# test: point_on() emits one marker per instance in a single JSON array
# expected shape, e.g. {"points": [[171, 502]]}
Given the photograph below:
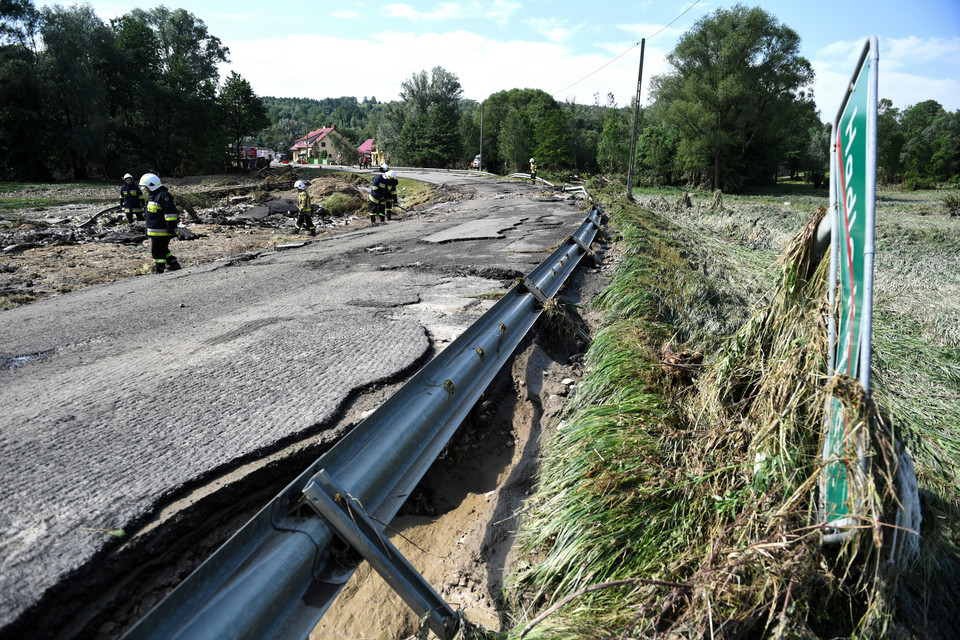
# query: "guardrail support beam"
{"points": [[350, 521]]}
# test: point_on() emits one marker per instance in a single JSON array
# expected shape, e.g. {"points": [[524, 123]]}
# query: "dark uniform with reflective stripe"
{"points": [[162, 218], [131, 200], [379, 195], [391, 196]]}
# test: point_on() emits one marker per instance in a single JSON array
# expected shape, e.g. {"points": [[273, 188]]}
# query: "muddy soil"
{"points": [[47, 251], [458, 528]]}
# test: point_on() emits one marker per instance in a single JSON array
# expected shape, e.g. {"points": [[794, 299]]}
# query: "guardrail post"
{"points": [[350, 521]]}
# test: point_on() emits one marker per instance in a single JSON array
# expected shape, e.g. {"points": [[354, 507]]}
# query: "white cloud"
{"points": [[553, 29], [484, 66], [501, 11], [444, 11], [910, 69], [647, 30], [922, 49]]}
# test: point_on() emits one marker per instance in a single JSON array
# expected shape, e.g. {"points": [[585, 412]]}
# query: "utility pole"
{"points": [[480, 168], [636, 122]]}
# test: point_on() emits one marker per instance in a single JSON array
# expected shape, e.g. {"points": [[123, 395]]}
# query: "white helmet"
{"points": [[127, 175], [532, 160], [384, 168], [391, 174], [300, 185], [150, 181]]}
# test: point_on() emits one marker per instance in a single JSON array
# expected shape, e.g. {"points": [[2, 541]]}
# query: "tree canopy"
{"points": [[735, 94]]}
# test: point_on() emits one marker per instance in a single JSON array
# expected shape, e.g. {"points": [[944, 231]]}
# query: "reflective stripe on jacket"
{"points": [[162, 215], [130, 198], [380, 190]]}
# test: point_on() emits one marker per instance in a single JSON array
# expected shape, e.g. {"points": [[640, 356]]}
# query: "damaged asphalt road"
{"points": [[121, 398]]}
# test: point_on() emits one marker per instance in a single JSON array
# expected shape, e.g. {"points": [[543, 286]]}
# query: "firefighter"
{"points": [[162, 218], [390, 177], [379, 194], [131, 199], [304, 219], [533, 170]]}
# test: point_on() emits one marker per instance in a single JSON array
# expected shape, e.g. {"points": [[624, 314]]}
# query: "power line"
{"points": [[597, 70]]}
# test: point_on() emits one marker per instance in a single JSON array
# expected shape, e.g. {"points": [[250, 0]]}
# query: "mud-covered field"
{"points": [[50, 246]]}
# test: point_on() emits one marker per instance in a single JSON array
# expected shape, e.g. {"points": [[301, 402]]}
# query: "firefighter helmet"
{"points": [[299, 184], [127, 175], [391, 174], [384, 168], [150, 181]]}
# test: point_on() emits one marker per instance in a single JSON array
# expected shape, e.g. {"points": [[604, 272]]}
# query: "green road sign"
{"points": [[853, 199]]}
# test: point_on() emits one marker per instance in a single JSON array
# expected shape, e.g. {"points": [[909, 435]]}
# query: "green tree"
{"points": [[21, 101], [429, 123], [516, 138], [890, 141], [613, 147], [735, 82], [181, 115], [79, 65], [816, 154], [242, 113], [656, 150], [554, 142]]}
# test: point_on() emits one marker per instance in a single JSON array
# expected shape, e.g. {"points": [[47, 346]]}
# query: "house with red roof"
{"points": [[315, 146]]}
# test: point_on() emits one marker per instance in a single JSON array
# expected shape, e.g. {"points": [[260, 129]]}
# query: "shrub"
{"points": [[339, 204], [952, 204]]}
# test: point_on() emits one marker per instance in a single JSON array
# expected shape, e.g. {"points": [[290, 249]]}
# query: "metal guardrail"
{"points": [[278, 574]]}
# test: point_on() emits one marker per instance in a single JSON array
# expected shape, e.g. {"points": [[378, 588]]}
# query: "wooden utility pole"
{"points": [[636, 123], [480, 168]]}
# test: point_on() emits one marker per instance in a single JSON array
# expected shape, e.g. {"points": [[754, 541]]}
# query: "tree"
{"points": [[554, 143], [182, 113], [80, 64], [816, 154], [21, 100], [242, 113], [613, 147], [735, 82], [890, 141], [429, 122]]}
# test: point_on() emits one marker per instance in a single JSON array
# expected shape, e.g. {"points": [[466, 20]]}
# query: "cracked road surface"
{"points": [[120, 398]]}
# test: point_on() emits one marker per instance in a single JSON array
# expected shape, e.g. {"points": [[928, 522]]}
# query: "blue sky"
{"points": [[572, 50]]}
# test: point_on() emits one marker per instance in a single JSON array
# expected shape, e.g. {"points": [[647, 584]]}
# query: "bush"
{"points": [[339, 204], [952, 204]]}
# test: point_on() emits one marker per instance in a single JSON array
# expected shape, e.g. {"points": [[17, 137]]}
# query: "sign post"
{"points": [[853, 171]]}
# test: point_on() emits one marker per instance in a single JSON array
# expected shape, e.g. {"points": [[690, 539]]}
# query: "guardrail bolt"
{"points": [[449, 386]]}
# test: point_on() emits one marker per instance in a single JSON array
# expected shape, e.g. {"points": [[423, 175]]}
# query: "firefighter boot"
{"points": [[159, 266], [172, 263]]}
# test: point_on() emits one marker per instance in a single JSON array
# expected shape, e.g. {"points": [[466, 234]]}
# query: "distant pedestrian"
{"points": [[379, 194], [533, 170], [162, 218], [132, 201], [304, 219]]}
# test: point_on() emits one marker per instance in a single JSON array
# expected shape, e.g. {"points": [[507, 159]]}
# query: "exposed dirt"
{"points": [[458, 528], [46, 251]]}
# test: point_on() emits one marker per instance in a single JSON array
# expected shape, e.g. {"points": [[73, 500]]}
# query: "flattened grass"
{"points": [[691, 512]]}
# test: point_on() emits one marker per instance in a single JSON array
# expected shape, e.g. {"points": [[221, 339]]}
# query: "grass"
{"points": [[691, 511]]}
